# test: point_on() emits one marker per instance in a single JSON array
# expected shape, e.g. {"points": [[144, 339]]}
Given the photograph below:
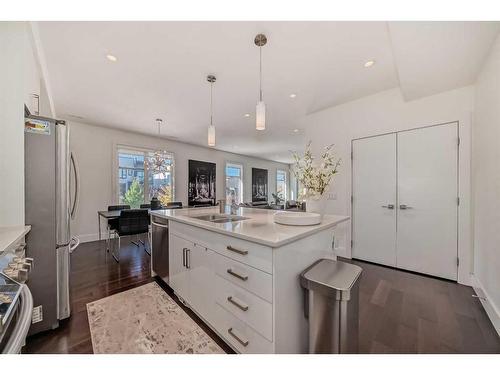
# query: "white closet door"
{"points": [[374, 199], [427, 200]]}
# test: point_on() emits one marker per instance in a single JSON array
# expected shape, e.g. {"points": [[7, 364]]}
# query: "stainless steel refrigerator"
{"points": [[49, 206]]}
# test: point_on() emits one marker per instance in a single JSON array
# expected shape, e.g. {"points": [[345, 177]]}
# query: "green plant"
{"points": [[278, 198], [315, 177], [134, 195], [165, 194]]}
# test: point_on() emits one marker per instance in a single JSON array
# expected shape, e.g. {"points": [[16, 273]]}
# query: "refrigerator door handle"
{"points": [[74, 206], [63, 165], [73, 244]]}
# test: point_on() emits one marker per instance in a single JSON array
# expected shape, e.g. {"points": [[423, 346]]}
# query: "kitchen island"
{"points": [[240, 273]]}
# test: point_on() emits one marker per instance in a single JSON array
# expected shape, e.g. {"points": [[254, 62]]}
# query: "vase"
{"points": [[316, 205]]}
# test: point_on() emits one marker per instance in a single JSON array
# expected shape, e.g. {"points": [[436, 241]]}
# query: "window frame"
{"points": [[278, 170], [134, 149], [242, 184]]}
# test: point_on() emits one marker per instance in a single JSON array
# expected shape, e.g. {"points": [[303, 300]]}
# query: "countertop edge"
{"points": [[316, 229], [13, 234]]}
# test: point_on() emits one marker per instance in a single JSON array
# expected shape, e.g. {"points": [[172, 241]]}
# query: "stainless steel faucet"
{"points": [[222, 206], [234, 208]]}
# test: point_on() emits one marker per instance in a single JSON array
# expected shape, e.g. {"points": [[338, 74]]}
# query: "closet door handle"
{"points": [[404, 207], [389, 206], [188, 258]]}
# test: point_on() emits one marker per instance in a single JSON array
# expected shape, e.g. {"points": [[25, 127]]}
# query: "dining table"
{"points": [[114, 214], [107, 215]]}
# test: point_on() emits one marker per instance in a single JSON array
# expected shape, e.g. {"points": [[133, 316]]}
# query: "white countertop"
{"points": [[10, 235], [259, 228]]}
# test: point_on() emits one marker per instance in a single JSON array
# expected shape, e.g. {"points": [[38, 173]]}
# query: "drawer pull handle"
{"points": [[242, 342], [237, 304], [242, 252], [241, 277]]}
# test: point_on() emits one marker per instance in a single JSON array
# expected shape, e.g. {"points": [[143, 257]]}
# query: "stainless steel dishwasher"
{"points": [[159, 250]]}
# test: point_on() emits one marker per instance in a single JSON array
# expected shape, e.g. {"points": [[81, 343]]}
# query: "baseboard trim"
{"points": [[90, 237], [489, 306]]}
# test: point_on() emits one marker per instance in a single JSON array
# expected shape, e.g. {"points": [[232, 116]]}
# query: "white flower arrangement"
{"points": [[315, 177]]}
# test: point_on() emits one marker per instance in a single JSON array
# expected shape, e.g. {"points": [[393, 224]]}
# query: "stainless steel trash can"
{"points": [[332, 306]]}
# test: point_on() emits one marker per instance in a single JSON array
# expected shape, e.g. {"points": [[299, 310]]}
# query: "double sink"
{"points": [[220, 218]]}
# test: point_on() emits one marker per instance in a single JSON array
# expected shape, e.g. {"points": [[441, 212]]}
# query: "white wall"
{"points": [[387, 112], [486, 184], [95, 147], [13, 42]]}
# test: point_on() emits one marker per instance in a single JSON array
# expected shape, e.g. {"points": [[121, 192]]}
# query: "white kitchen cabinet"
{"points": [[201, 276], [191, 274], [179, 278], [243, 280], [256, 281], [239, 335], [31, 78], [246, 306]]}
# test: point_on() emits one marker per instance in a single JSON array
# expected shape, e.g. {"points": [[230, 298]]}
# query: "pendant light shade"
{"points": [[211, 135], [260, 115], [211, 127], [260, 110]]}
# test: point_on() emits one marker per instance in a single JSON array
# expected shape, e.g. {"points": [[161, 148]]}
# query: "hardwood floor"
{"points": [[400, 312], [404, 312], [94, 275]]}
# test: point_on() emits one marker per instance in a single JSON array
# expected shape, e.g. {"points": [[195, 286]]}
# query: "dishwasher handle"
{"points": [[159, 225]]}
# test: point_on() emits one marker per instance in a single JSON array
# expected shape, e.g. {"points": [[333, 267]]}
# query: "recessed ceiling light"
{"points": [[295, 130], [369, 63], [293, 96], [246, 115], [111, 58]]}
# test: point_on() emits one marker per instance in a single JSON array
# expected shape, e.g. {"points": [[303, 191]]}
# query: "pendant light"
{"points": [[159, 162], [211, 127], [260, 110]]}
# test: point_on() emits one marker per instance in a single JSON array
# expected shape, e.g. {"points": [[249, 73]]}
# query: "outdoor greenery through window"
{"points": [[137, 185], [234, 183], [281, 184]]}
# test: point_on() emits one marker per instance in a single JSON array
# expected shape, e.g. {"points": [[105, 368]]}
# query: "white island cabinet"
{"points": [[242, 278]]}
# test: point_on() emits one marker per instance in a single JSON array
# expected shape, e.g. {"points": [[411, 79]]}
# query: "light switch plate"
{"points": [[331, 196]]}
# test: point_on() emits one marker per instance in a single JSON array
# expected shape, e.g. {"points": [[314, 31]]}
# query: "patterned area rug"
{"points": [[145, 320]]}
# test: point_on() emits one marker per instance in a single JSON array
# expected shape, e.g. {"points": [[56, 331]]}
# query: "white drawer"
{"points": [[249, 278], [249, 308], [251, 253], [239, 335]]}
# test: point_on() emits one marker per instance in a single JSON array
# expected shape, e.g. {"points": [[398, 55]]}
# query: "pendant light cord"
{"points": [[260, 72], [211, 102]]}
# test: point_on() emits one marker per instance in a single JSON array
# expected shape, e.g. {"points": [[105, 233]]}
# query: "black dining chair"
{"points": [[113, 223], [148, 206], [131, 222]]}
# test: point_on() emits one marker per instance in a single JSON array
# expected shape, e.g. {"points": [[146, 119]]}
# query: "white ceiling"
{"points": [[162, 67], [433, 57]]}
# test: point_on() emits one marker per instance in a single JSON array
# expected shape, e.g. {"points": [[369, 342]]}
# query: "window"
{"points": [[281, 184], [234, 183], [133, 187]]}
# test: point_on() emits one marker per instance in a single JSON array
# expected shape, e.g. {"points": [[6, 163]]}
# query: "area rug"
{"points": [[145, 320]]}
